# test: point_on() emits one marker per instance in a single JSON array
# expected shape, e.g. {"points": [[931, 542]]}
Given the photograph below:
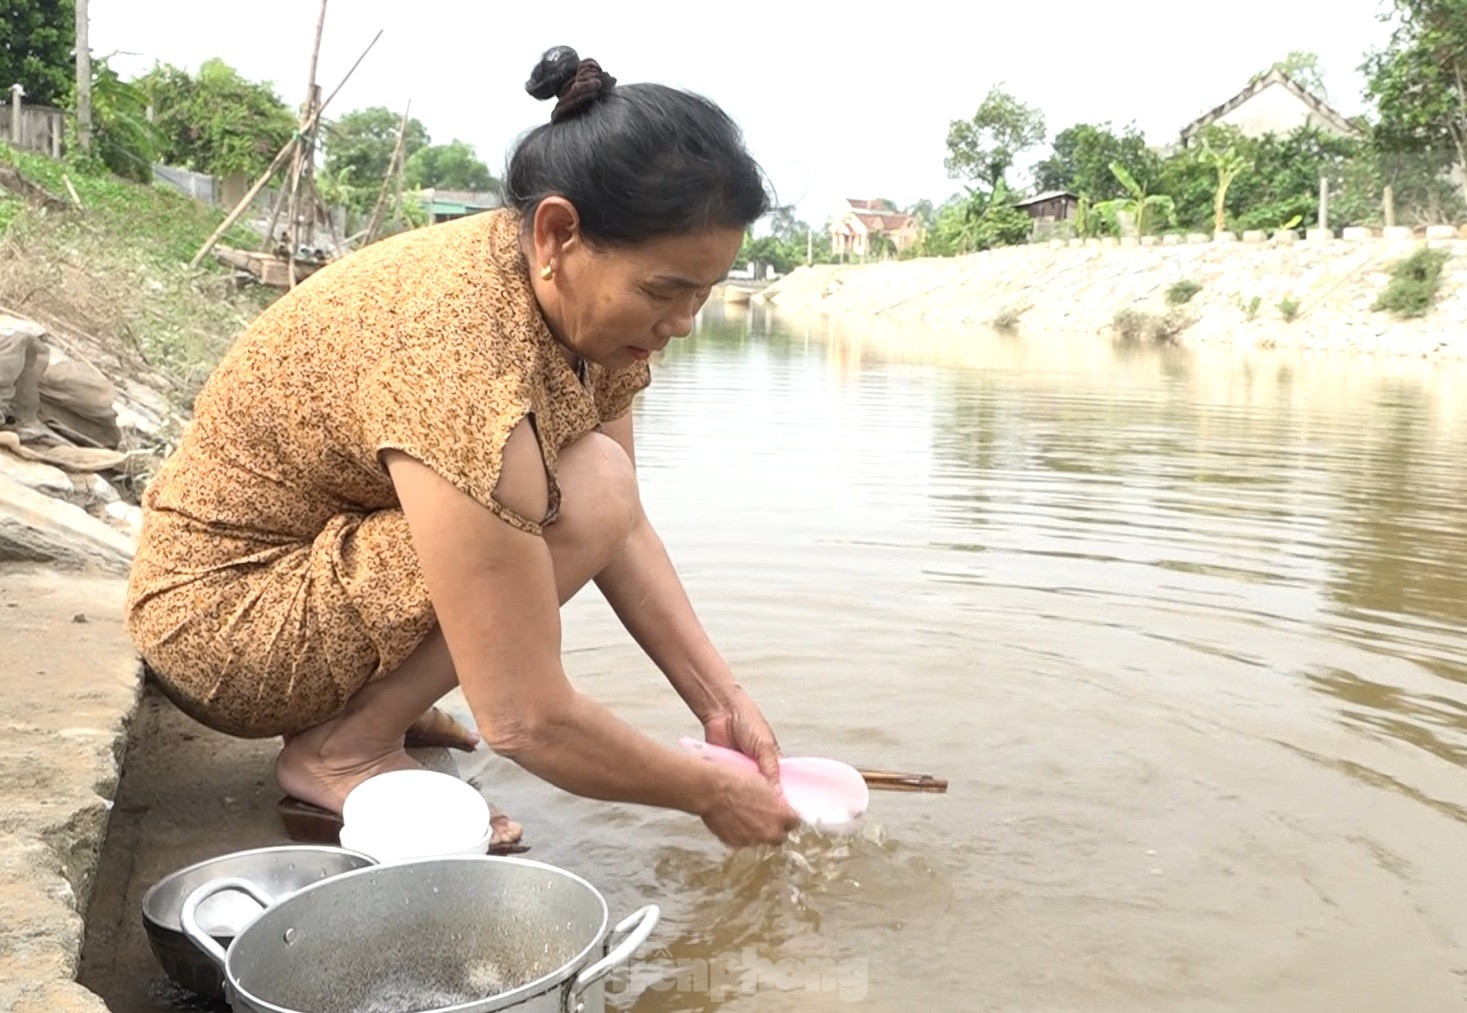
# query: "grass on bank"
{"points": [[1414, 285], [117, 269]]}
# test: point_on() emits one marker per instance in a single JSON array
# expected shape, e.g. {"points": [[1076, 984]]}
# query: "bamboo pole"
{"points": [[269, 240], [397, 152], [280, 158], [891, 780], [306, 149]]}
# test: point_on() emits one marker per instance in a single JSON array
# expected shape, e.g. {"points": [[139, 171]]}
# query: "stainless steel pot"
{"points": [[278, 871], [465, 934]]}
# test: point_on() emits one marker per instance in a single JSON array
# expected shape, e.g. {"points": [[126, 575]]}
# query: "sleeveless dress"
{"points": [[275, 574]]}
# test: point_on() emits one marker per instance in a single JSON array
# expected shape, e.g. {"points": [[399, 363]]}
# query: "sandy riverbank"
{"points": [[1078, 291]]}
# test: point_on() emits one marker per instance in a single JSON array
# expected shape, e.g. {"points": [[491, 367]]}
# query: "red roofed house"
{"points": [[858, 222]]}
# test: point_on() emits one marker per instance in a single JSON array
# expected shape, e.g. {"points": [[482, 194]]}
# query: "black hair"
{"points": [[638, 161]]}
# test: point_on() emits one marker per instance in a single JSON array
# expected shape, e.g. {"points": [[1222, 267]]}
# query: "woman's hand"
{"points": [[746, 811], [739, 725]]}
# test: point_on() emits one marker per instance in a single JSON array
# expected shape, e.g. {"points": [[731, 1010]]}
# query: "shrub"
{"points": [[1132, 326], [1165, 329], [1182, 292], [1289, 308], [1007, 319], [1414, 283]]}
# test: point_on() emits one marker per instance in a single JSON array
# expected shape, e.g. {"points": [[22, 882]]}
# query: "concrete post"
{"points": [[83, 80], [16, 91]]}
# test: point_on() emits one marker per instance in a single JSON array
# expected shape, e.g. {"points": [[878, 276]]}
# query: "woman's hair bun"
{"points": [[556, 69]]}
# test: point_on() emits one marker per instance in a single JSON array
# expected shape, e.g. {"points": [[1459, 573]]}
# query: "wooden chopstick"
{"points": [[891, 780]]}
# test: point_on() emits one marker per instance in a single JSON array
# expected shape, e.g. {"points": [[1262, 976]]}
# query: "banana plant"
{"points": [[976, 212], [1228, 165], [1137, 203]]}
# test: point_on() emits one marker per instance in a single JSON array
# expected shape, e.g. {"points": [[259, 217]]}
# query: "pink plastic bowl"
{"points": [[829, 795]]}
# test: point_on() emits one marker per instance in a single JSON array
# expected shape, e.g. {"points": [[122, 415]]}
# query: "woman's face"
{"points": [[618, 305]]}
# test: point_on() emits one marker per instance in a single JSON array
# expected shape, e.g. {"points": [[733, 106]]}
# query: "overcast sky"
{"points": [[836, 100]]}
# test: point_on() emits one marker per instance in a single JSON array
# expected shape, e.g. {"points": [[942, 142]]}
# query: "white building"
{"points": [[1273, 104]]}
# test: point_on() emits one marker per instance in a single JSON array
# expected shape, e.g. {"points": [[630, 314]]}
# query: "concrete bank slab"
{"points": [[69, 689]]}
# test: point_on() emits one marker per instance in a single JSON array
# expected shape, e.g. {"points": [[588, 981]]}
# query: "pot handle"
{"points": [[632, 931], [189, 916]]}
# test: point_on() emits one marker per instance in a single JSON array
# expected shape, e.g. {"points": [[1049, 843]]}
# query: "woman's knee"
{"points": [[598, 489]]}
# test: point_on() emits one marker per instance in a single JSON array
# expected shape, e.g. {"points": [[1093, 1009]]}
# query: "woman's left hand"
{"points": [[739, 725]]}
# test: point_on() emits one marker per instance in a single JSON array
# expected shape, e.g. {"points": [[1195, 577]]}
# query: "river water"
{"points": [[1186, 631]]}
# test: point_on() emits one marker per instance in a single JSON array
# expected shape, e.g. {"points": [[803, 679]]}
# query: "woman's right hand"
{"points": [[745, 810]]}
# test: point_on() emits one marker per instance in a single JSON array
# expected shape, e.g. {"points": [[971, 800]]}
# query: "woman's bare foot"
{"points": [[438, 728], [321, 765], [505, 831]]}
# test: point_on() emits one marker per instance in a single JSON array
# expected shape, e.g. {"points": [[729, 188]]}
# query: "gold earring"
{"points": [[547, 272]]}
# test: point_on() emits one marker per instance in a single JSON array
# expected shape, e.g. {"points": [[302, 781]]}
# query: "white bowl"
{"points": [[386, 849], [419, 813]]}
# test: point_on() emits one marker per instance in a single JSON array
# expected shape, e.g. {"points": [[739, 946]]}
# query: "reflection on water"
{"points": [[1184, 630]]}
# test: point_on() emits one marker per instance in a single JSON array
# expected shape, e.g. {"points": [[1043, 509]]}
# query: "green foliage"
{"points": [[452, 166], [1288, 308], [771, 251], [786, 246], [1414, 284], [1083, 154], [1251, 307], [216, 122], [1137, 204], [984, 148], [1419, 81], [122, 137], [1229, 164], [1302, 67], [976, 221], [37, 38], [785, 227], [169, 224], [359, 148], [1182, 292], [1282, 184], [924, 212], [121, 265]]}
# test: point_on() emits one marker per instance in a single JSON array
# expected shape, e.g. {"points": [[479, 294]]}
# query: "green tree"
{"points": [[359, 146], [1082, 156], [1138, 204], [37, 38], [1283, 181], [976, 220], [787, 228], [771, 251], [1302, 67], [216, 122], [122, 136], [984, 148], [452, 166], [924, 212], [1419, 82]]}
